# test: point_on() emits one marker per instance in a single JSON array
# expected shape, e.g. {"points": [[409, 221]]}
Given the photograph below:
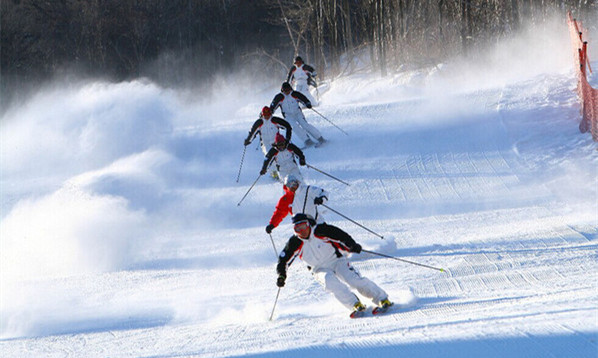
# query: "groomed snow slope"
{"points": [[121, 234]]}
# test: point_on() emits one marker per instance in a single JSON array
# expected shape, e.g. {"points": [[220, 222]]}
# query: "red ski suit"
{"points": [[283, 207]]}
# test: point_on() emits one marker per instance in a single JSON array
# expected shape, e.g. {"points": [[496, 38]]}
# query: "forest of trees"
{"points": [[197, 39]]}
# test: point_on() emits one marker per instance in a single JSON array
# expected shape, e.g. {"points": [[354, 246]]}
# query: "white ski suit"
{"points": [[301, 75], [323, 251], [304, 201], [289, 106], [285, 161], [267, 129]]}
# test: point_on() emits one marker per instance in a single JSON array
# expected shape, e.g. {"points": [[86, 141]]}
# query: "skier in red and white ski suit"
{"points": [[323, 247], [288, 101], [268, 126], [283, 153], [298, 198], [302, 73]]}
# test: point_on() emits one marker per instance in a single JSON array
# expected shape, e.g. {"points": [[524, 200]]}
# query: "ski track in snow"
{"points": [[481, 197]]}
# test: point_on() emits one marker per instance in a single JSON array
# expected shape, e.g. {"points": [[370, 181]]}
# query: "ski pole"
{"points": [[333, 177], [273, 308], [403, 260], [240, 166], [339, 128], [353, 221], [251, 187], [274, 246]]}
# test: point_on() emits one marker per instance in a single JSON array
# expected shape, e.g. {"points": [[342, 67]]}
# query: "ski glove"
{"points": [[301, 161], [356, 248], [308, 105], [263, 171], [269, 228], [320, 200], [247, 142], [280, 281]]}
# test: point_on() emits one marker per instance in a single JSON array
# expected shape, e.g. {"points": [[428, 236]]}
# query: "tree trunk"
{"points": [[465, 26], [381, 38]]}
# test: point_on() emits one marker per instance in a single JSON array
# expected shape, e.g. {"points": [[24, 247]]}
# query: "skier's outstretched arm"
{"points": [[301, 97], [283, 208], [269, 158], [336, 234], [291, 71], [298, 152], [321, 196], [256, 125], [284, 124], [276, 101], [287, 255]]}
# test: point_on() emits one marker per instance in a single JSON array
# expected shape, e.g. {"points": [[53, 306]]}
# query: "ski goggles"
{"points": [[300, 226]]}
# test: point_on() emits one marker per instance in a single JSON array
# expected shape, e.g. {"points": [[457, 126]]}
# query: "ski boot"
{"points": [[358, 310], [384, 305]]}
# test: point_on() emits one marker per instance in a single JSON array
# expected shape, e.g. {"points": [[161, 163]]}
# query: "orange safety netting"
{"points": [[587, 94]]}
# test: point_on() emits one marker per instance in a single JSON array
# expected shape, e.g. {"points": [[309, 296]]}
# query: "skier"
{"points": [[303, 74], [298, 199], [283, 153], [322, 247], [268, 126], [288, 101]]}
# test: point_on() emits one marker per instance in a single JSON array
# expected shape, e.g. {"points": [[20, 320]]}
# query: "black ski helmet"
{"points": [[298, 58], [301, 217], [286, 86]]}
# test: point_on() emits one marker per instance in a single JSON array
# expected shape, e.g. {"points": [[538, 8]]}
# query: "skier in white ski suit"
{"points": [[268, 126], [298, 198], [302, 73], [288, 101], [322, 247], [283, 153]]}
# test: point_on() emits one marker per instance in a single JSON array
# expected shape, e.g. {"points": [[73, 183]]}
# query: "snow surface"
{"points": [[121, 235]]}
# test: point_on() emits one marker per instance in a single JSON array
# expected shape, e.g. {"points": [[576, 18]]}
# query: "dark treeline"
{"points": [[179, 42]]}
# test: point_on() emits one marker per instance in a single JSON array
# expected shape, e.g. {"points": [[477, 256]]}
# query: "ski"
{"points": [[373, 312], [381, 310], [358, 314]]}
